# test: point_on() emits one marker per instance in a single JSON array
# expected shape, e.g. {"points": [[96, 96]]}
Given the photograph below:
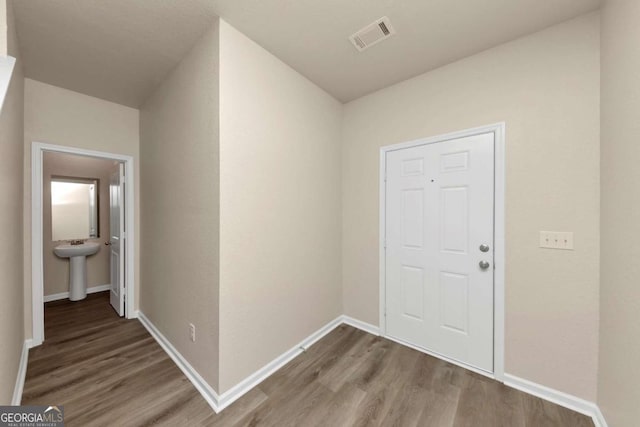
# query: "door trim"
{"points": [[37, 264], [498, 130]]}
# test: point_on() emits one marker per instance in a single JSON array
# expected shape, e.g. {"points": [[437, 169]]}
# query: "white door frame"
{"points": [[498, 130], [37, 263]]}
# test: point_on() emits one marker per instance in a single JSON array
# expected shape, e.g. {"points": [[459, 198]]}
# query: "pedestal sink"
{"points": [[77, 255]]}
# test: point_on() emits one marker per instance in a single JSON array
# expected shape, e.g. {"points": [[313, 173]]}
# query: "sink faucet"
{"points": [[76, 242]]}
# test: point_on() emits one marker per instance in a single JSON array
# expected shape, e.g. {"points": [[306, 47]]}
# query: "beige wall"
{"points": [[56, 270], [58, 116], [618, 374], [179, 165], [3, 28], [11, 308], [546, 88], [279, 207], [11, 35]]}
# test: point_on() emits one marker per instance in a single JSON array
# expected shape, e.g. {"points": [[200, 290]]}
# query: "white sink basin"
{"points": [[77, 255], [68, 250]]}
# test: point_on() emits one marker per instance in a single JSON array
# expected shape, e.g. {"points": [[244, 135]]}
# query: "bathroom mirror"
{"points": [[74, 208]]}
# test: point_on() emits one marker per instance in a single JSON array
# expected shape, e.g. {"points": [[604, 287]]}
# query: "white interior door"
{"points": [[116, 238], [439, 248]]}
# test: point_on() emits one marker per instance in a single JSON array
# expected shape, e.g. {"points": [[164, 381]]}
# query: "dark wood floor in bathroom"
{"points": [[109, 371]]}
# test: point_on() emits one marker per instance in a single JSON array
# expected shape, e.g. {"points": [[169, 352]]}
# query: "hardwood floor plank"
{"points": [[440, 408], [184, 409], [108, 371], [409, 407], [85, 377], [572, 418], [169, 396], [311, 364], [232, 417], [474, 397], [507, 404], [539, 412], [371, 410], [346, 363], [153, 382], [287, 408], [340, 410], [337, 339]]}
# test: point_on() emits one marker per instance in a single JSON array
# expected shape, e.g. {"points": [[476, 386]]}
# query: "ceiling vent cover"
{"points": [[373, 33]]}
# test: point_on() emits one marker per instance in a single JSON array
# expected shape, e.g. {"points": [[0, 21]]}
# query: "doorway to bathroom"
{"points": [[93, 206]]}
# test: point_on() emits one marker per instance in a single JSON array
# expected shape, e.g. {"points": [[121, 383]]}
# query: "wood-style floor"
{"points": [[109, 371]]}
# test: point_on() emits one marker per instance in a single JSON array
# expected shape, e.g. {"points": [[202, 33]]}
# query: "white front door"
{"points": [[116, 240], [439, 248]]}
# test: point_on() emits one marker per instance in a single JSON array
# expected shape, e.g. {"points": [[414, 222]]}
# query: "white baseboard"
{"points": [[566, 400], [65, 295], [237, 391], [367, 327], [219, 402], [598, 418], [207, 392], [22, 372]]}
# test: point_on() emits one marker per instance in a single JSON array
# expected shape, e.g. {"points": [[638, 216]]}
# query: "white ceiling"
{"points": [[117, 50], [312, 35], [120, 50]]}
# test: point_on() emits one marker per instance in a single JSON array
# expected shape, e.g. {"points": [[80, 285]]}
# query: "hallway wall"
{"points": [[11, 279], [279, 207], [618, 373], [3, 28], [180, 207]]}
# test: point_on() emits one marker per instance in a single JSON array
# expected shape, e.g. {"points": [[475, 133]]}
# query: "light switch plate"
{"points": [[556, 240]]}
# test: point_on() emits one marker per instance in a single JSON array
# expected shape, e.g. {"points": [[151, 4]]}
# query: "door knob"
{"points": [[484, 264], [107, 243], [484, 248]]}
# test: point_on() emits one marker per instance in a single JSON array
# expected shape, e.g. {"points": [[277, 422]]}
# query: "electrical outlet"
{"points": [[192, 332], [556, 240]]}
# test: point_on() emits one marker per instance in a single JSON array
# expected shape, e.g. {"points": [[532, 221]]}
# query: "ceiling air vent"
{"points": [[372, 34]]}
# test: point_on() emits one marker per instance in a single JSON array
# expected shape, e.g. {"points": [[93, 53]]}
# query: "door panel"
{"points": [[454, 219], [439, 210], [454, 311], [116, 239], [412, 218], [413, 292]]}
